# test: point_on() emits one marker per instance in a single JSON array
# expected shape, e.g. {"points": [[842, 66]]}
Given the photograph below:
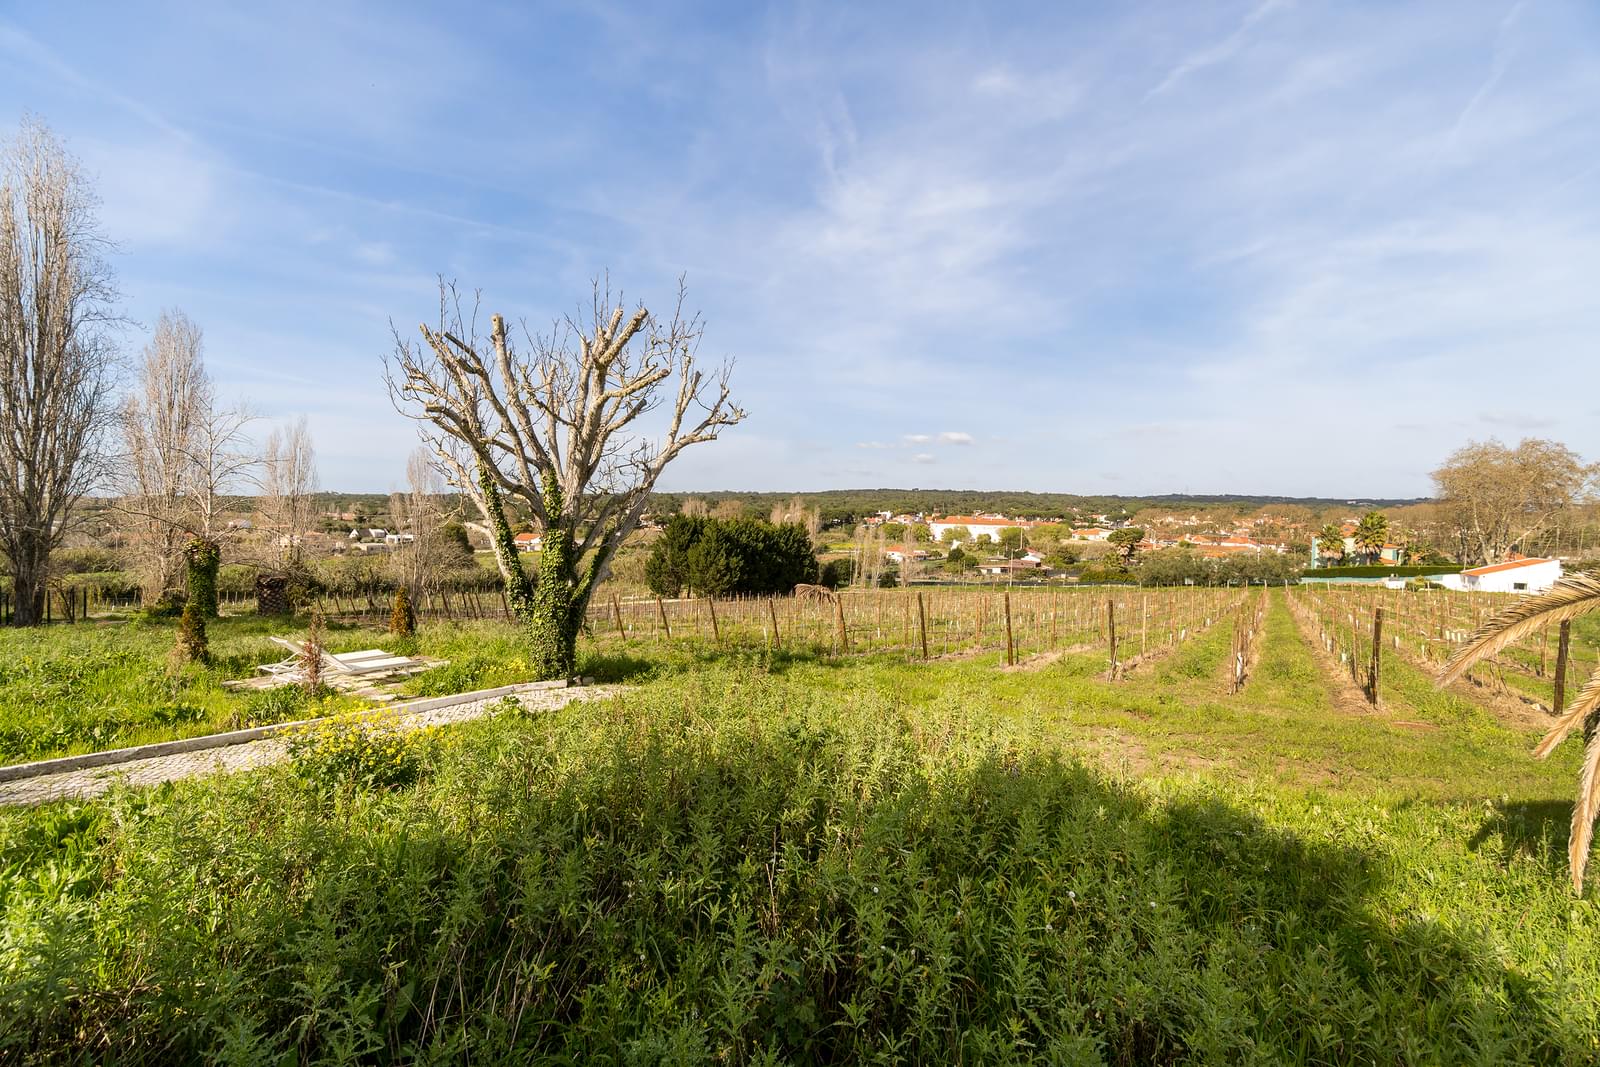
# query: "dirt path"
{"points": [[1347, 695], [1350, 697]]}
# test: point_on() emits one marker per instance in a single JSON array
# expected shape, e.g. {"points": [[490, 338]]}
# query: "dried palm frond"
{"points": [[1567, 599], [1584, 812], [1587, 700]]}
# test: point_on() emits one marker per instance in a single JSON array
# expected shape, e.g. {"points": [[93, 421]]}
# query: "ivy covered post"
{"points": [[202, 558], [549, 432]]}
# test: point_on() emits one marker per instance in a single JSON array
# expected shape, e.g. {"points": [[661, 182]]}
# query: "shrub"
{"points": [[311, 656], [729, 557], [192, 645], [359, 752], [402, 620]]}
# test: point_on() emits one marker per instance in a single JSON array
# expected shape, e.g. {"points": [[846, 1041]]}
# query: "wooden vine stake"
{"points": [[922, 625], [1375, 671], [661, 610], [1111, 633], [616, 609], [716, 631], [1562, 643], [1011, 648], [844, 634], [777, 642]]}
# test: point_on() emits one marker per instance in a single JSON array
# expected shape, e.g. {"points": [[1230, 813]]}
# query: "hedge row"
{"points": [[1378, 570]]}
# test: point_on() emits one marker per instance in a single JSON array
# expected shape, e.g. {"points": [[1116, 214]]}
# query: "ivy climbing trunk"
{"points": [[203, 557], [553, 623], [519, 590]]}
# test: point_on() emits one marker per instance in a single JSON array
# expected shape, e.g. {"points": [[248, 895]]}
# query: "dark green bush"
{"points": [[1378, 570]]}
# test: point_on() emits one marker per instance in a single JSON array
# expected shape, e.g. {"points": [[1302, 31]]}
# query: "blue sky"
{"points": [[1296, 248]]}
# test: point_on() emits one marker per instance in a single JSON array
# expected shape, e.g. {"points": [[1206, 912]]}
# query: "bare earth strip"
{"points": [[93, 781]]}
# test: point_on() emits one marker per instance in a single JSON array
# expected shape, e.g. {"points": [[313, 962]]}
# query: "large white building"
{"points": [[1513, 576], [979, 525]]}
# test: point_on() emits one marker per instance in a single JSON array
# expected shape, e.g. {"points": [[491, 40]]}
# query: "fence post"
{"points": [[1111, 631], [616, 610], [1562, 642], [772, 610], [1374, 673], [922, 626], [716, 631], [1011, 648], [844, 633], [661, 610]]}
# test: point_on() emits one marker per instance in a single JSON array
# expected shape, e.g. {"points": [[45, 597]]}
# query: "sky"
{"points": [[1295, 248]]}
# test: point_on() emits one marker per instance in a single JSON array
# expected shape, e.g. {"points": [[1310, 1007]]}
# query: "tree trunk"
{"points": [[554, 616], [518, 590], [30, 567]]}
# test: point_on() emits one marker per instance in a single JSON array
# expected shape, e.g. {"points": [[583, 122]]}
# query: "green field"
{"points": [[755, 856]]}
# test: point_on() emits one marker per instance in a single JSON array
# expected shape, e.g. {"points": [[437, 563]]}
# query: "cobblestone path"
{"points": [[93, 781]]}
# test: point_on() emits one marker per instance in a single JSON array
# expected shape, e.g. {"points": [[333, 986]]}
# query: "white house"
{"points": [[980, 525], [1513, 576]]}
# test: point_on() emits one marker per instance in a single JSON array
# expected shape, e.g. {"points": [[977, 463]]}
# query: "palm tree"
{"points": [[1569, 598], [1372, 533], [1330, 541]]}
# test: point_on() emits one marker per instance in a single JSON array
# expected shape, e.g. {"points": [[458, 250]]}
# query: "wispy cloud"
{"points": [[1220, 52], [1251, 224]]}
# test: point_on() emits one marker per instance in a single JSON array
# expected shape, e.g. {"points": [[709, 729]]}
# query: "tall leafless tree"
{"points": [[288, 480], [56, 355], [222, 462], [417, 510], [557, 429], [159, 421]]}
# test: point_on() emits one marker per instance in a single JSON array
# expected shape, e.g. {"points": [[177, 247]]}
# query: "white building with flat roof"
{"points": [[1513, 576]]}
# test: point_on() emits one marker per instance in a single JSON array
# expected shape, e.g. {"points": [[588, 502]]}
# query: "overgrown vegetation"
{"points": [[774, 859]]}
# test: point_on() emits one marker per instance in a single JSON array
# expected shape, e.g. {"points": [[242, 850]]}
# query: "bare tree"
{"points": [[222, 460], [556, 428], [288, 480], [56, 357], [1499, 497], [160, 419], [418, 562]]}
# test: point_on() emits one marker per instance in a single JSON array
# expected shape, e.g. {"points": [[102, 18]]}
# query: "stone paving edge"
{"points": [[65, 764]]}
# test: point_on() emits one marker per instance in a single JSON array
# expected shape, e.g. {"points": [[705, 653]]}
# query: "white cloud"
{"points": [[955, 437], [923, 457], [918, 438]]}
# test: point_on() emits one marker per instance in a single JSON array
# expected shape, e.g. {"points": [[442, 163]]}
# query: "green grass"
{"points": [[80, 688], [787, 858]]}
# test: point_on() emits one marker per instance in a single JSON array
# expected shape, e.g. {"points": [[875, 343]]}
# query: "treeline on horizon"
{"points": [[851, 505]]}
